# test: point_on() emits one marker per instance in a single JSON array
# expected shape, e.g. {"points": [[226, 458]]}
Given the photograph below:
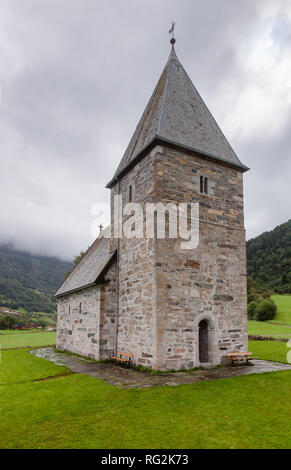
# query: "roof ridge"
{"points": [[89, 249], [196, 91], [166, 88]]}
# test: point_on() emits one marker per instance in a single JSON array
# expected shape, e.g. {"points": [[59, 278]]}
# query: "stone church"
{"points": [[169, 307]]}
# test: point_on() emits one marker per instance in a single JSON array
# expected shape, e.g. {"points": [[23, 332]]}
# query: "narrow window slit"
{"points": [[206, 185], [203, 185]]}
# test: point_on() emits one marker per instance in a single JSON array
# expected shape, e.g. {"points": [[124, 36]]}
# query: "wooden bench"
{"points": [[240, 356], [122, 357]]}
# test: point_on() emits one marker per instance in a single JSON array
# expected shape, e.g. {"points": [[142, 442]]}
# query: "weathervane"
{"points": [[171, 31]]}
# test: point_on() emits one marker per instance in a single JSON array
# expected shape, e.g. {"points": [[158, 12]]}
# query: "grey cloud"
{"points": [[76, 77]]}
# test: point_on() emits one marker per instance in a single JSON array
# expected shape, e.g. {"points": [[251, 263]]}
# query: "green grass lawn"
{"points": [[270, 350], [267, 329], [283, 303], [17, 339], [78, 411], [19, 366], [283, 316], [43, 405], [17, 332]]}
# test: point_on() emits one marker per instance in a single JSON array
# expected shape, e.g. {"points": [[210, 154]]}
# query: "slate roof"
{"points": [[176, 113], [91, 267]]}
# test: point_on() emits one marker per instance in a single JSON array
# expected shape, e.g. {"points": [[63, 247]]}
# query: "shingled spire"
{"points": [[176, 114]]}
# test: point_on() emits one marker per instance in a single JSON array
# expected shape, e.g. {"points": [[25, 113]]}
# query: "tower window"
{"points": [[130, 194], [206, 185], [203, 185]]}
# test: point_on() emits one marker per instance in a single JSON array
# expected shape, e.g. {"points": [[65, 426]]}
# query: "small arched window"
{"points": [[130, 194], [203, 185]]}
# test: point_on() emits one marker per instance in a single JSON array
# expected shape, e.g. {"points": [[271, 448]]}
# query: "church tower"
{"points": [[176, 307], [167, 305]]}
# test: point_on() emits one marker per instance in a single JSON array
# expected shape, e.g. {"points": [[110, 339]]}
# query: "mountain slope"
{"points": [[269, 258], [29, 281]]}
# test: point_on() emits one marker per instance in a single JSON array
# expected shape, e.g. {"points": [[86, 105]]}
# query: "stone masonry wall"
{"points": [[86, 319], [208, 282], [78, 322], [165, 291], [137, 286], [107, 314]]}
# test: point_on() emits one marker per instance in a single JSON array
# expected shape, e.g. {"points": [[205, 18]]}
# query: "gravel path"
{"points": [[129, 378]]}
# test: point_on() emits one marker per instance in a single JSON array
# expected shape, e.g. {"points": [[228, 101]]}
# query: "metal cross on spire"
{"points": [[171, 31]]}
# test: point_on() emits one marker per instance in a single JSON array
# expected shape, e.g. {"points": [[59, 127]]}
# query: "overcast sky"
{"points": [[75, 77]]}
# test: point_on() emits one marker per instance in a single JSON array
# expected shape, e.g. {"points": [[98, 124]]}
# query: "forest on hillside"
{"points": [[269, 258], [28, 281]]}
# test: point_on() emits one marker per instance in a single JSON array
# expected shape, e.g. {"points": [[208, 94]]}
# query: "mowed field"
{"points": [[273, 350], [46, 406], [282, 328], [10, 339], [267, 329], [270, 350], [283, 303]]}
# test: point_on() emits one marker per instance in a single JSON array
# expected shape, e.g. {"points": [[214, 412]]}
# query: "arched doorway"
{"points": [[203, 341]]}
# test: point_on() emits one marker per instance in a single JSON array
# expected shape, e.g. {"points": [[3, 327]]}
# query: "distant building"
{"points": [[8, 311], [18, 326], [23, 326], [170, 308]]}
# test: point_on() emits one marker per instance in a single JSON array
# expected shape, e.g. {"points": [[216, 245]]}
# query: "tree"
{"points": [[266, 310], [252, 309], [77, 259], [6, 322], [3, 323], [269, 258], [10, 320]]}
